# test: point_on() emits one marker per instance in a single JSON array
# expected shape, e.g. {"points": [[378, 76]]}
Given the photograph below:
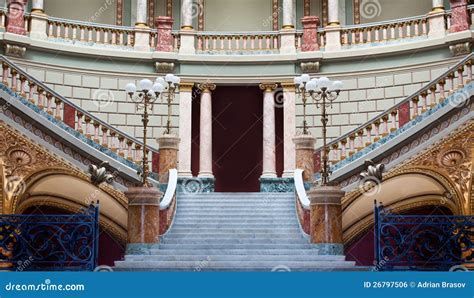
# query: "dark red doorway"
{"points": [[237, 138]]}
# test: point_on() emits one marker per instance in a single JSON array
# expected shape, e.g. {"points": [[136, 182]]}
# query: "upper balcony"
{"points": [[307, 31]]}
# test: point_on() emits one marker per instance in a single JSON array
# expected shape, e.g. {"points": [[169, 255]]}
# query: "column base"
{"points": [[284, 184], [194, 185], [328, 249]]}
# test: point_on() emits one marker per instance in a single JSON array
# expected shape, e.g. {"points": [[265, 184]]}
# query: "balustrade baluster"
{"points": [[415, 101], [385, 125], [31, 93], [88, 122], [138, 153], [66, 31], [335, 153], [57, 108], [5, 68], [121, 146], [376, 130], [368, 141], [40, 97], [424, 27], [50, 29], [442, 96], [460, 71], [451, 82], [58, 30], [129, 150], [74, 32], [424, 101], [79, 121], [360, 140], [394, 120], [96, 131], [90, 36], [343, 149], [22, 86], [49, 103], [351, 144], [113, 136], [105, 142], [14, 87]]}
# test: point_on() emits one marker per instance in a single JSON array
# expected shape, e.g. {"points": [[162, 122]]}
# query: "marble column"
{"points": [[289, 129], [333, 13], [141, 13], [269, 159], [333, 29], [185, 116], [326, 219], [438, 5], [37, 6], [16, 17], [187, 14], [459, 16], [205, 137], [143, 218], [304, 145], [289, 14], [164, 37]]}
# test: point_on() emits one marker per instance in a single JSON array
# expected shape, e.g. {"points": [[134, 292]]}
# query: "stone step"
{"points": [[236, 246], [238, 235], [255, 265], [231, 212], [181, 223], [238, 251], [256, 221], [266, 199], [211, 207], [237, 194], [178, 230], [243, 217], [241, 257], [232, 241]]}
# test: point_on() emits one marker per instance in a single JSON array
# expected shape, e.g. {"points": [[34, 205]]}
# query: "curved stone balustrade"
{"points": [[413, 106], [426, 26], [239, 41], [103, 135], [385, 31], [86, 32]]}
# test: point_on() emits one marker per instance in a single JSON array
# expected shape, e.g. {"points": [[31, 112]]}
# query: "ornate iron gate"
{"points": [[50, 242], [422, 242]]}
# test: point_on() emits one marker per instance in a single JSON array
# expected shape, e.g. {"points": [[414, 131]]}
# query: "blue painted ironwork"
{"points": [[422, 242], [50, 242]]}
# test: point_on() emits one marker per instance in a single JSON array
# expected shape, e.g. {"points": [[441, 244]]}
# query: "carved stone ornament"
{"points": [[15, 50], [310, 67]]}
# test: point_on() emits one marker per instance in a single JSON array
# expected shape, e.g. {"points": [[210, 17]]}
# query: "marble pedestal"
{"points": [[304, 146], [168, 147], [143, 218], [326, 219]]}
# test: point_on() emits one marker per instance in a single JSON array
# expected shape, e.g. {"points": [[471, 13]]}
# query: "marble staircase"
{"points": [[235, 232]]}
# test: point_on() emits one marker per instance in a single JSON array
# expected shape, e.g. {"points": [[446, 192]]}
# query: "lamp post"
{"points": [[144, 97], [323, 92]]}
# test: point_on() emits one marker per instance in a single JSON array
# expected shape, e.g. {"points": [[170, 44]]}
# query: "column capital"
{"points": [[186, 86], [268, 87], [288, 87], [206, 86]]}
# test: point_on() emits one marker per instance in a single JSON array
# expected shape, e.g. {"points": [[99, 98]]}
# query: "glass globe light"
{"points": [[305, 78], [311, 86], [161, 81], [176, 80], [337, 85], [130, 88], [298, 80], [150, 93], [145, 85], [324, 83], [169, 78], [158, 88]]}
